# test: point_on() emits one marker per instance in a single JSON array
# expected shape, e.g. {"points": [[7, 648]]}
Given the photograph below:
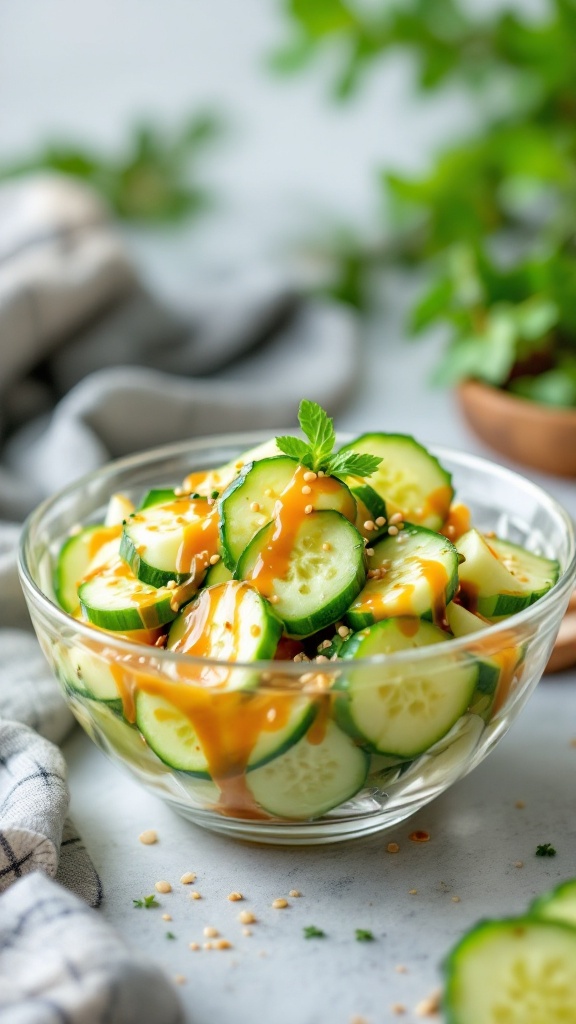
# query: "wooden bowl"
{"points": [[536, 435]]}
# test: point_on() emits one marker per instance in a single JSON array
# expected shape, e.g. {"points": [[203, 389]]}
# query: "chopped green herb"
{"points": [[148, 901], [170, 935], [317, 453], [545, 850], [312, 932], [363, 935], [215, 494]]}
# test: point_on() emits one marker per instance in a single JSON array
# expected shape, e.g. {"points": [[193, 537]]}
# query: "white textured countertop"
{"points": [[466, 871]]}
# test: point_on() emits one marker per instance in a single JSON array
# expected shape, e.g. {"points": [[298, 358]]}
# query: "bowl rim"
{"points": [[435, 652]]}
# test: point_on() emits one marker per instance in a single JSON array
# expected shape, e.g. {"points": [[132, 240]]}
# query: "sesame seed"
{"points": [[188, 877], [306, 489], [520, 805], [380, 520], [222, 944], [179, 979], [194, 945], [428, 1007], [324, 645], [401, 969], [171, 585], [208, 945], [195, 896], [254, 507], [310, 475], [174, 605], [392, 530], [163, 886], [210, 500], [166, 917], [369, 525], [393, 848], [419, 836], [322, 657], [295, 893], [398, 1008], [308, 509], [328, 547], [280, 904], [246, 931], [235, 896], [343, 631], [209, 932], [518, 863], [412, 892], [455, 899], [396, 518], [246, 917], [369, 551], [274, 599], [214, 559], [148, 837], [321, 472]]}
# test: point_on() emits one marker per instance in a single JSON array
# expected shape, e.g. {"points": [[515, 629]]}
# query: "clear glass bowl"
{"points": [[375, 791]]}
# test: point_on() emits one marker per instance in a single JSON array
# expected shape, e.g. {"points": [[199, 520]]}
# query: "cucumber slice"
{"points": [[157, 496], [311, 571], [312, 777], [217, 573], [251, 500], [171, 542], [274, 723], [415, 573], [409, 479], [518, 970], [75, 557], [369, 507], [119, 508], [114, 599], [229, 622], [464, 623], [405, 709], [499, 578], [209, 480], [558, 905], [93, 676]]}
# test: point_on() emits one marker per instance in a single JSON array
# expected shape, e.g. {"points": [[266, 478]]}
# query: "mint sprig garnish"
{"points": [[318, 452]]}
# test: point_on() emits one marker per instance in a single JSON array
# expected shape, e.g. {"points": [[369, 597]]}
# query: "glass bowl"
{"points": [[322, 785]]}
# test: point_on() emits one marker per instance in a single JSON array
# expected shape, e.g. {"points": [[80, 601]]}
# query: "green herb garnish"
{"points": [[312, 932], [170, 935], [545, 850], [148, 901], [318, 453], [364, 935]]}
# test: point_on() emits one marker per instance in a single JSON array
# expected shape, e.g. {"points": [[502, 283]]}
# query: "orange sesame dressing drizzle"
{"points": [[289, 512], [100, 537], [458, 522], [398, 600], [437, 503]]}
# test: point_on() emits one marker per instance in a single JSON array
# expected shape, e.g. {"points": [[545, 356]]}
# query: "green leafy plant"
{"points": [[317, 453], [494, 218], [151, 181], [312, 932], [146, 902]]}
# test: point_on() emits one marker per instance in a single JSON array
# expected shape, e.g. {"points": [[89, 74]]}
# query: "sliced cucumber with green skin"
{"points": [[312, 778], [155, 541], [409, 478], [558, 905], [464, 623], [369, 507], [114, 599], [229, 622], [73, 561], [119, 508], [404, 709], [323, 573], [157, 496], [520, 970], [94, 678], [217, 573], [250, 501], [171, 734], [498, 578], [207, 481], [419, 577]]}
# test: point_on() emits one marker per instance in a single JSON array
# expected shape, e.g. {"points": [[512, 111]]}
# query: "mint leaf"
{"points": [[296, 448], [353, 464], [364, 935], [312, 932], [148, 901], [545, 850], [319, 429]]}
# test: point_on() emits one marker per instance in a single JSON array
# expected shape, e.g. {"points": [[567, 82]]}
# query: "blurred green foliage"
{"points": [[151, 181], [494, 217]]}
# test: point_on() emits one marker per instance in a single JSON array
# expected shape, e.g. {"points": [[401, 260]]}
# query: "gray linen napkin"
{"points": [[93, 366]]}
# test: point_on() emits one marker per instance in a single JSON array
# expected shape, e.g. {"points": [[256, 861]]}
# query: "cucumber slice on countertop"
{"points": [[229, 622], [413, 573], [409, 479], [168, 542], [76, 555], [250, 501], [403, 709], [521, 970], [312, 575], [499, 578], [114, 599], [276, 723], [557, 905], [317, 774]]}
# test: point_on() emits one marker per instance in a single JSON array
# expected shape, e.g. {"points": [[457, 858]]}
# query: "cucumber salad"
{"points": [[294, 552]]}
